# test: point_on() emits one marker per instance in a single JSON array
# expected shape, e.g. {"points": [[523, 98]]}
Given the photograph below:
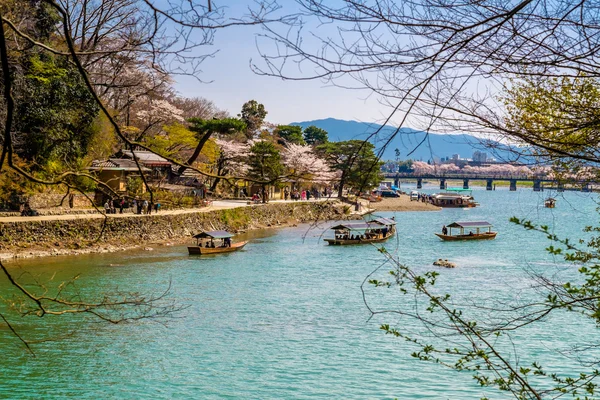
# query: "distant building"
{"points": [[479, 156], [456, 156]]}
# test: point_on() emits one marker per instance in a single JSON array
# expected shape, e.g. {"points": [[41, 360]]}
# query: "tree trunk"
{"points": [[214, 184], [194, 156], [220, 171], [341, 187]]}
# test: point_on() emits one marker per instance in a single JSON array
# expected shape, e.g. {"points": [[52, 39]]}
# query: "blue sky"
{"points": [[232, 83]]}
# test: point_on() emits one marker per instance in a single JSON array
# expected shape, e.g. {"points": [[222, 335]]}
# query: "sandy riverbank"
{"points": [[402, 203]]}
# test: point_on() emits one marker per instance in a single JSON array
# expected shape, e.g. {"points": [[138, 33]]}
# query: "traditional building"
{"points": [[115, 172], [160, 167]]}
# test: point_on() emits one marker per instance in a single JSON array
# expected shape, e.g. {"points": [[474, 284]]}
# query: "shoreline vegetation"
{"points": [[75, 234]]}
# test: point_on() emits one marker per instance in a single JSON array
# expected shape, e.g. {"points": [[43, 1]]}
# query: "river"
{"points": [[285, 317]]}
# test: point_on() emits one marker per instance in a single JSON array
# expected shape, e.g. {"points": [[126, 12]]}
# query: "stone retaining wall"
{"points": [[50, 200], [38, 238]]}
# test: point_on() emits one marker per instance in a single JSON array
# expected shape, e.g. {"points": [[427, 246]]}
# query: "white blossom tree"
{"points": [[302, 163]]}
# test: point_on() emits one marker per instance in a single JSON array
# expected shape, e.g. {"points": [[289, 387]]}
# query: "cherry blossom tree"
{"points": [[422, 168], [302, 163], [232, 161]]}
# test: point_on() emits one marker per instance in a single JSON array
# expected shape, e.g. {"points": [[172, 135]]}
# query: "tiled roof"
{"points": [[188, 173], [147, 157], [119, 164]]}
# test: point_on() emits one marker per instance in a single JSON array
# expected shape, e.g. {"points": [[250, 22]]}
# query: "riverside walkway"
{"points": [[215, 206]]}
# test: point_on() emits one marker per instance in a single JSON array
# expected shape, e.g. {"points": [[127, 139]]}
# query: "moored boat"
{"points": [[454, 198], [213, 242], [361, 232], [478, 230]]}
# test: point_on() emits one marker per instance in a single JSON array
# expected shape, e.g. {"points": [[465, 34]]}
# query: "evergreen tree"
{"points": [[253, 115], [290, 133], [265, 165], [315, 136], [361, 169]]}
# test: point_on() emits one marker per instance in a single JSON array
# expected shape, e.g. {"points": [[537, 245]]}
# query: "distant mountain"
{"points": [[417, 143]]}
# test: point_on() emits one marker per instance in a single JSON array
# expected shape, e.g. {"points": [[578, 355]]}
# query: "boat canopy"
{"points": [[377, 223], [213, 235], [458, 190], [354, 226], [470, 224], [449, 196], [384, 221]]}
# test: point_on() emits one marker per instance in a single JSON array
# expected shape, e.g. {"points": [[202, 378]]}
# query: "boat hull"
{"points": [[195, 250], [347, 242], [470, 205], [480, 236]]}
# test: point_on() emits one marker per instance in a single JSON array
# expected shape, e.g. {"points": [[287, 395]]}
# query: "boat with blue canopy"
{"points": [[361, 232], [213, 242], [477, 230]]}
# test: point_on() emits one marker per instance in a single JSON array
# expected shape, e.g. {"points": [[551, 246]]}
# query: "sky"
{"points": [[231, 83]]}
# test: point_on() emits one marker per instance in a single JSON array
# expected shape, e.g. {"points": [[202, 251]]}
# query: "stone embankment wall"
{"points": [[52, 200], [40, 238]]}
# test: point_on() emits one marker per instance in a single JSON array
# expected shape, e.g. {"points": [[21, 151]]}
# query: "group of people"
{"points": [[144, 207], [424, 198], [373, 234], [350, 237], [305, 194], [211, 244], [138, 206], [110, 208]]}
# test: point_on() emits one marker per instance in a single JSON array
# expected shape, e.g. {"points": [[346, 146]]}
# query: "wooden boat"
{"points": [[454, 198], [361, 232], [477, 231], [221, 240], [550, 202]]}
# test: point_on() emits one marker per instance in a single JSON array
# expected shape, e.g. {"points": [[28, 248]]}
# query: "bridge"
{"points": [[537, 180]]}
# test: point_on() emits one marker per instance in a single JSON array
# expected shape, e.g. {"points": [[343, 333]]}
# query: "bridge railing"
{"points": [[468, 176]]}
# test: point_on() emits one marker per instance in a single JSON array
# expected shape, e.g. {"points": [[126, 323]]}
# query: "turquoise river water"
{"points": [[285, 318]]}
